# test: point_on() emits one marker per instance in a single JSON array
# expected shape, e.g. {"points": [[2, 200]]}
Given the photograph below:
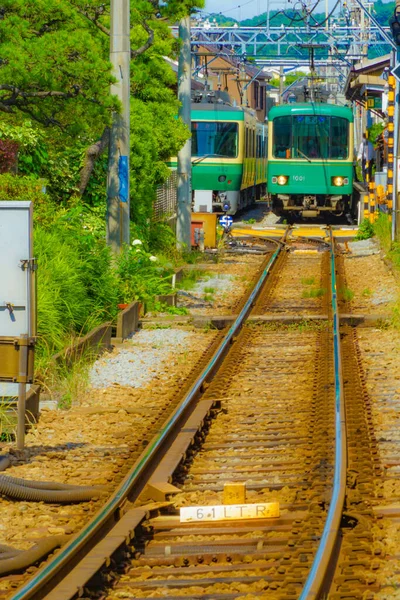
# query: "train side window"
{"points": [[339, 147], [282, 137]]}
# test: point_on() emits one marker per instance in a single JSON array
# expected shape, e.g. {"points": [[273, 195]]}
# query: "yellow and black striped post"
{"points": [[390, 166], [372, 213]]}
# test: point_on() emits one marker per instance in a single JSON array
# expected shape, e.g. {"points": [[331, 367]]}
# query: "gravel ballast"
{"points": [[141, 359]]}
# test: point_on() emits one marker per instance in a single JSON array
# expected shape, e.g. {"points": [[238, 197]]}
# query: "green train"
{"points": [[310, 160], [229, 158]]}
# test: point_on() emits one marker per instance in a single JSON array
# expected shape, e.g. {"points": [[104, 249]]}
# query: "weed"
{"points": [[347, 294], [383, 231], [365, 230], [67, 377], [308, 281], [8, 420], [250, 221], [209, 290], [208, 298], [301, 326], [161, 307], [183, 357], [367, 293], [190, 279], [209, 327], [314, 293]]}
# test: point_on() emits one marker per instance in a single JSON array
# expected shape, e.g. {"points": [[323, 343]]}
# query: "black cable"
{"points": [[327, 18]]}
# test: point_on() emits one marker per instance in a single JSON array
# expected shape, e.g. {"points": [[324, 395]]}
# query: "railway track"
{"points": [[273, 418]]}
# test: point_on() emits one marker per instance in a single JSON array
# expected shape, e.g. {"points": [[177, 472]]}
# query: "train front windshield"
{"points": [[311, 137], [210, 138]]}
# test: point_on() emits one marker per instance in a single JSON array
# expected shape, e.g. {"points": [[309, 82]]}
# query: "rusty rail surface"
{"points": [[41, 584]]}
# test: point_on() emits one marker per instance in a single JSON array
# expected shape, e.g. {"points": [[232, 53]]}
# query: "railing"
{"points": [[164, 208]]}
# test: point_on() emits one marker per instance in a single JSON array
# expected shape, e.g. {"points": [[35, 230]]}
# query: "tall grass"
{"points": [[383, 231], [79, 282]]}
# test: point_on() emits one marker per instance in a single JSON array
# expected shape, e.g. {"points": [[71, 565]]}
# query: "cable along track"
{"points": [[269, 419]]}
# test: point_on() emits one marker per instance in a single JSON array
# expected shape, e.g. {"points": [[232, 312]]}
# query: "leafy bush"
{"points": [[141, 276]]}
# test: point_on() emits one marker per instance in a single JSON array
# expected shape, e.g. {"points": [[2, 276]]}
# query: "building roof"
{"points": [[365, 78]]}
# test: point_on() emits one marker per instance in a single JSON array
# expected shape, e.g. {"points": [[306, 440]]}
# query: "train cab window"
{"points": [[214, 139], [282, 136], [311, 136], [339, 147]]}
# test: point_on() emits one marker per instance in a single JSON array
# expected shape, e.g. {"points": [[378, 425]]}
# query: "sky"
{"points": [[244, 9]]}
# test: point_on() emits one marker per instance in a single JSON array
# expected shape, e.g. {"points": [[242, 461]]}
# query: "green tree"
{"points": [[289, 79], [55, 68]]}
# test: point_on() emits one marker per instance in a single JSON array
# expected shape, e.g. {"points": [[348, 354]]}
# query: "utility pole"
{"points": [[243, 84], [281, 84], [118, 203], [326, 15], [396, 182], [183, 224]]}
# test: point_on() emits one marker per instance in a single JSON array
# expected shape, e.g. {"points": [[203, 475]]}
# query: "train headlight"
{"points": [[222, 178], [282, 179], [339, 181]]}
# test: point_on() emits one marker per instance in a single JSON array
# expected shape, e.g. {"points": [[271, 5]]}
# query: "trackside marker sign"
{"points": [[267, 510]]}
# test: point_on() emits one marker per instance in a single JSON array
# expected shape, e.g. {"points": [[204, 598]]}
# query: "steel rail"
{"points": [[35, 585], [324, 555]]}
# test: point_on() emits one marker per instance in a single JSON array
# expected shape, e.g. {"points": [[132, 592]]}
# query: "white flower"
{"points": [[136, 243], [153, 258]]}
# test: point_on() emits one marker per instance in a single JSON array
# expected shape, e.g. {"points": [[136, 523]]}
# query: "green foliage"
{"points": [[190, 279], [54, 65], [289, 79], [56, 73], [314, 293], [383, 231], [375, 131], [8, 420], [347, 294], [383, 11], [308, 280], [161, 307], [141, 276], [156, 135], [365, 230]]}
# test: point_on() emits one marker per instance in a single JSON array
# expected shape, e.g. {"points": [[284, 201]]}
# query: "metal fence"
{"points": [[164, 208]]}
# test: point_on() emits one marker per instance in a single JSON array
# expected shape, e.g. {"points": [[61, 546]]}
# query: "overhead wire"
{"points": [[327, 18]]}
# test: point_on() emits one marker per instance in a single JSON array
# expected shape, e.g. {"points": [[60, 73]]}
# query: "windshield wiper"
{"points": [[305, 155], [197, 160]]}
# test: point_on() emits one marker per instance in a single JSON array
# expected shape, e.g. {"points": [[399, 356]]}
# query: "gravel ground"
{"points": [[380, 352], [141, 358], [229, 280], [97, 440], [374, 286]]}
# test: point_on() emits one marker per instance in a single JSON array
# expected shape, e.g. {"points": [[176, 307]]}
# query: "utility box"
{"points": [[17, 295], [208, 222], [195, 227]]}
